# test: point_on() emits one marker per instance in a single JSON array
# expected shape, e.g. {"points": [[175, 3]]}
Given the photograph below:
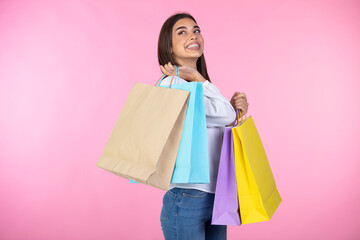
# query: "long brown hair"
{"points": [[165, 40]]}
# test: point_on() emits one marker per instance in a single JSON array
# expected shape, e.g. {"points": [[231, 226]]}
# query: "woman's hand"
{"points": [[185, 72], [239, 102]]}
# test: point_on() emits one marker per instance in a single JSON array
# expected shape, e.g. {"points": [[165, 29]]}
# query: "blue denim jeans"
{"points": [[186, 215]]}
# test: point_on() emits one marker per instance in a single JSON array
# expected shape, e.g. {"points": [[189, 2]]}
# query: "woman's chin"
{"points": [[195, 54]]}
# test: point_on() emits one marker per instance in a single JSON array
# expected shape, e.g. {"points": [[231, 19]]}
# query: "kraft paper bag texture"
{"points": [[226, 204], [257, 192], [145, 139], [192, 162]]}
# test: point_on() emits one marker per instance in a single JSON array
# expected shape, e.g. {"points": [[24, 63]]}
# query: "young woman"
{"points": [[187, 208]]}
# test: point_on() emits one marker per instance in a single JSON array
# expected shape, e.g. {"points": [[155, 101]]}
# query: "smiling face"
{"points": [[186, 34]]}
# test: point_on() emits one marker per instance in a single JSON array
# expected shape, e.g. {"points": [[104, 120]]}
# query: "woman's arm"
{"points": [[219, 111]]}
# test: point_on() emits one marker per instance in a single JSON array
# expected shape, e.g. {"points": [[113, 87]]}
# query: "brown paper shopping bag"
{"points": [[144, 142]]}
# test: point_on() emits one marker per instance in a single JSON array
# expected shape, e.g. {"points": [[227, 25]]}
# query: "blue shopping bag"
{"points": [[192, 162]]}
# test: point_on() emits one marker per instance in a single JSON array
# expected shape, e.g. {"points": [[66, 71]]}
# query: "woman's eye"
{"points": [[184, 31]]}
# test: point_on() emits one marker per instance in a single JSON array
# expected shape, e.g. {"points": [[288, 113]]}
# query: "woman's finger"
{"points": [[165, 71], [235, 94], [240, 95], [240, 105], [241, 100], [242, 108], [169, 69]]}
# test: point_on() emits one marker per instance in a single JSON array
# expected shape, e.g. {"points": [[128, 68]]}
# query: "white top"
{"points": [[219, 113]]}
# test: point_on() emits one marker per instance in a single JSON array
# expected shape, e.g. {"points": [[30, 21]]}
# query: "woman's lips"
{"points": [[194, 48]]}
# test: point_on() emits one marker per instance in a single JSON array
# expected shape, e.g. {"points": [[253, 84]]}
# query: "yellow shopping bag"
{"points": [[257, 192]]}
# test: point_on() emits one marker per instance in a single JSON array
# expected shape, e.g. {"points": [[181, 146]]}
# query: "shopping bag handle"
{"points": [[177, 73], [237, 117]]}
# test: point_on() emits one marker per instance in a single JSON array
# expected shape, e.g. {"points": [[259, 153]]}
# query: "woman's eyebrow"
{"points": [[196, 26]]}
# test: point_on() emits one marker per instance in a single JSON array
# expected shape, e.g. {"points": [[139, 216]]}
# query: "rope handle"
{"points": [[237, 118], [177, 74]]}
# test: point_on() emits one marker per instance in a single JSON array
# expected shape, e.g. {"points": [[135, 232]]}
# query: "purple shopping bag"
{"points": [[226, 204]]}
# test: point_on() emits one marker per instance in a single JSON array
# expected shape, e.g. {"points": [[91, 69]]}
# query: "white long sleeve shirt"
{"points": [[219, 113]]}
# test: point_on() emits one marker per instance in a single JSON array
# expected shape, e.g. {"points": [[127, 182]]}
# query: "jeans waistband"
{"points": [[180, 191]]}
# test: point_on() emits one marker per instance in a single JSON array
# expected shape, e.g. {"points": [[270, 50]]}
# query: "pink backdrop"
{"points": [[67, 67]]}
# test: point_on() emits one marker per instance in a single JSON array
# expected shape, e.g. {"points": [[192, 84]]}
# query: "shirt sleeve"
{"points": [[219, 111]]}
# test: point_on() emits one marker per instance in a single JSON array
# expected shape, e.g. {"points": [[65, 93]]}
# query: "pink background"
{"points": [[67, 67]]}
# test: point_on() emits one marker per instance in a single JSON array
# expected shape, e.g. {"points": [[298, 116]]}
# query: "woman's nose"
{"points": [[193, 36]]}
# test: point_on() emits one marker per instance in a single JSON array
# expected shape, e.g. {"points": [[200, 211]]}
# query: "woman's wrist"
{"points": [[199, 77]]}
